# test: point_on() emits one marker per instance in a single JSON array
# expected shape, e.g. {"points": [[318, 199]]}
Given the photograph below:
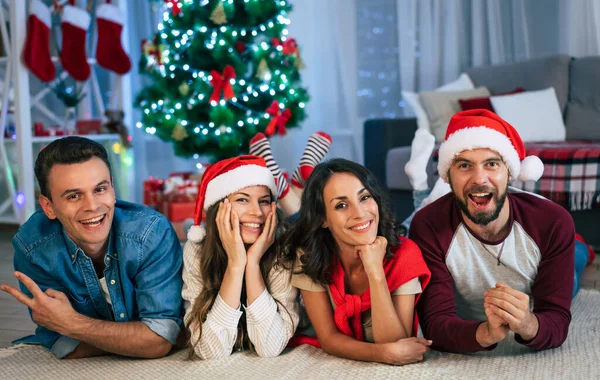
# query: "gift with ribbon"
{"points": [[179, 197], [153, 190]]}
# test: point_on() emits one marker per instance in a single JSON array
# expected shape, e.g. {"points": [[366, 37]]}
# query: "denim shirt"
{"points": [[143, 272]]}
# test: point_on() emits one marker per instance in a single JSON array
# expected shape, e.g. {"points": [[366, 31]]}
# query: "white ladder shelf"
{"points": [[21, 200]]}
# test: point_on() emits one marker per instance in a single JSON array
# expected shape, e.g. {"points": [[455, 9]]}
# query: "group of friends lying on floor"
{"points": [[274, 262]]}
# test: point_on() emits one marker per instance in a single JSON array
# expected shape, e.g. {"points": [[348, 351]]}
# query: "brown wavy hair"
{"points": [[213, 263], [317, 243]]}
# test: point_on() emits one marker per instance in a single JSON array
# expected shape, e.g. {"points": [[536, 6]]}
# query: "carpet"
{"points": [[577, 358]]}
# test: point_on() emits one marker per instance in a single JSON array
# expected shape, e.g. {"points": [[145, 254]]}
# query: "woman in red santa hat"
{"points": [[359, 280], [236, 295]]}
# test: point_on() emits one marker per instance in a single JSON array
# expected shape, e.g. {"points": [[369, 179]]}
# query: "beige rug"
{"points": [[578, 358]]}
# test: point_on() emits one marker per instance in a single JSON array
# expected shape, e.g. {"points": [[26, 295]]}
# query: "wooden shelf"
{"points": [[8, 219]]}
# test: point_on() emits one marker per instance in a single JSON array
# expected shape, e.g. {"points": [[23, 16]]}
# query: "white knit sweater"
{"points": [[269, 327]]}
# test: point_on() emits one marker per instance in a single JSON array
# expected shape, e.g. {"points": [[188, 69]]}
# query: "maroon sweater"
{"points": [[551, 234]]}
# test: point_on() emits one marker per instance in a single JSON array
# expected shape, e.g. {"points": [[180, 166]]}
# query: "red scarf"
{"points": [[406, 265]]}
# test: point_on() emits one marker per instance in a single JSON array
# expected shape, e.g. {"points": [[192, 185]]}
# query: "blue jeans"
{"points": [[581, 259], [581, 251]]}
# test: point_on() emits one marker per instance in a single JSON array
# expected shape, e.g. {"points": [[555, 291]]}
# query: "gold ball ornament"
{"points": [[184, 89]]}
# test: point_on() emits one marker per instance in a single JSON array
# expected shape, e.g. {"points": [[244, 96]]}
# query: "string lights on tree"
{"points": [[221, 70]]}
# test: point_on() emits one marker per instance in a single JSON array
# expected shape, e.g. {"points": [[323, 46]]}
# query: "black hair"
{"points": [[68, 150], [317, 243]]}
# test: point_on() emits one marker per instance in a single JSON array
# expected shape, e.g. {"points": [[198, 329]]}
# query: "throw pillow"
{"points": [[477, 103], [412, 98], [535, 114], [441, 106]]}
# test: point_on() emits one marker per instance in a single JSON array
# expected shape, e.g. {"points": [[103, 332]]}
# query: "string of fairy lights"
{"points": [[219, 36]]}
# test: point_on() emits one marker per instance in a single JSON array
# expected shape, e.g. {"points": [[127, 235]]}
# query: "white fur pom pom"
{"points": [[532, 169], [196, 234]]}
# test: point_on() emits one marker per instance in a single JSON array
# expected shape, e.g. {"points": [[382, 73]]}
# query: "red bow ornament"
{"points": [[279, 119], [289, 47], [176, 7], [221, 83]]}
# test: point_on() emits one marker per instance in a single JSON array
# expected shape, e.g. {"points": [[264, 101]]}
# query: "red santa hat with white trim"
{"points": [[225, 178], [480, 128]]}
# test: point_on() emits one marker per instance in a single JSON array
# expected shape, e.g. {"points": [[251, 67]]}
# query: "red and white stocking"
{"points": [[36, 53], [110, 53], [75, 23]]}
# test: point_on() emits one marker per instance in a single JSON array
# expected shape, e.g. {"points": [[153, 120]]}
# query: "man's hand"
{"points": [[50, 309], [493, 330], [404, 351], [513, 307]]}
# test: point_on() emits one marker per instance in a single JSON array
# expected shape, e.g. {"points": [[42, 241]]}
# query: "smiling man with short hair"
{"points": [[97, 274], [501, 259]]}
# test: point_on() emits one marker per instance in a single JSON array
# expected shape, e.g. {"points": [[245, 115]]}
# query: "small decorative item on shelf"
{"points": [[88, 127], [40, 131], [114, 124], [10, 131], [70, 97], [70, 120]]}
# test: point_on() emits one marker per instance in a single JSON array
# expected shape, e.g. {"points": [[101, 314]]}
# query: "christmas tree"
{"points": [[222, 70]]}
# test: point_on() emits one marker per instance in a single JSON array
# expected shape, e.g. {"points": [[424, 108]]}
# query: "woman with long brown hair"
{"points": [[359, 280], [232, 254]]}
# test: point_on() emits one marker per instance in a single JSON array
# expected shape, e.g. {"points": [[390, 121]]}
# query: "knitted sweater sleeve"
{"points": [[220, 329], [271, 324]]}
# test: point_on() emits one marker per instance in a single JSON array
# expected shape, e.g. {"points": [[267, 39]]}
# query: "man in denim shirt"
{"points": [[98, 275]]}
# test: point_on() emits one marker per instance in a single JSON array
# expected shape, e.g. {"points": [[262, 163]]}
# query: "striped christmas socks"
{"points": [[316, 148], [259, 146]]}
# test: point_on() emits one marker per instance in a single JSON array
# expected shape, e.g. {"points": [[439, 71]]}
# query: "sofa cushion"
{"points": [[412, 98], [583, 110], [484, 103], [536, 74], [396, 178], [441, 106], [534, 114]]}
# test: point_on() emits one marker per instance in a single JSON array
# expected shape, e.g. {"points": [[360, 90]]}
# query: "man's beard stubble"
{"points": [[482, 218]]}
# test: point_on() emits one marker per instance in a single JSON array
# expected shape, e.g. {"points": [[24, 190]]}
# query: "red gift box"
{"points": [[178, 211], [179, 199], [153, 192]]}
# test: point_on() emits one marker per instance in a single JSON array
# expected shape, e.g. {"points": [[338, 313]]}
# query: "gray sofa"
{"points": [[577, 84]]}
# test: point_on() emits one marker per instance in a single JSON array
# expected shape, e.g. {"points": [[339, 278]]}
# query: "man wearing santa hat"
{"points": [[501, 259]]}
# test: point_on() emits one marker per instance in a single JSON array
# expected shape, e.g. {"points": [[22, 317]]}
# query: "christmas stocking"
{"points": [[75, 23], [36, 54], [110, 53]]}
